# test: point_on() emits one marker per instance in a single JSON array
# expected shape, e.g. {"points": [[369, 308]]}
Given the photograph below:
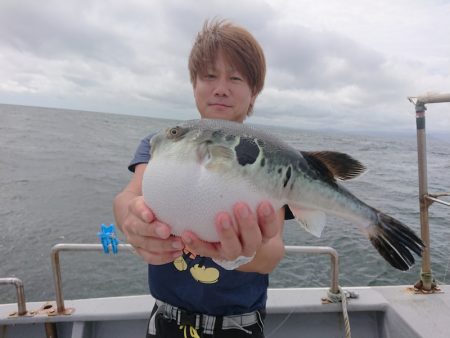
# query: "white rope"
{"points": [[342, 297], [348, 333]]}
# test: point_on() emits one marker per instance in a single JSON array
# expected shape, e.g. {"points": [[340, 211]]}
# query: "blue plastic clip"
{"points": [[108, 237]]}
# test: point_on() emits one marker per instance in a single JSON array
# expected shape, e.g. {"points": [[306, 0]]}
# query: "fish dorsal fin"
{"points": [[334, 164], [312, 220]]}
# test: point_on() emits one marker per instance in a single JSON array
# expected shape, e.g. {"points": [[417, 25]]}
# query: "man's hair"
{"points": [[239, 48]]}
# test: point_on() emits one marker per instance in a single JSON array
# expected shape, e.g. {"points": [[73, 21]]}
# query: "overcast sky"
{"points": [[345, 65]]}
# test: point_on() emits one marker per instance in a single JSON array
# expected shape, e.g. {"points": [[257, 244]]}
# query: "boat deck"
{"points": [[387, 312]]}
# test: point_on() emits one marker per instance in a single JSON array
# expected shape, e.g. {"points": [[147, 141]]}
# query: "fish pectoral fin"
{"points": [[218, 157], [312, 220], [337, 165]]}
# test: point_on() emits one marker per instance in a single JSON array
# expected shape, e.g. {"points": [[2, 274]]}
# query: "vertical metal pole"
{"points": [[57, 278], [21, 305], [50, 330], [425, 276], [20, 292], [334, 271]]}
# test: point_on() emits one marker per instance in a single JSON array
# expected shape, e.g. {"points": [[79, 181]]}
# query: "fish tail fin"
{"points": [[395, 241]]}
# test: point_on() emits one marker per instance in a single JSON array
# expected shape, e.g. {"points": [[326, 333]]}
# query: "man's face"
{"points": [[223, 93]]}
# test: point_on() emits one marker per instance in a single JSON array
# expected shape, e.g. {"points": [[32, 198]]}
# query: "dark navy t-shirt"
{"points": [[198, 284]]}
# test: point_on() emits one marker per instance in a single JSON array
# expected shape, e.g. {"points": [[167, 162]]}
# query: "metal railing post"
{"points": [[20, 292], [57, 268], [426, 282], [426, 275], [321, 250]]}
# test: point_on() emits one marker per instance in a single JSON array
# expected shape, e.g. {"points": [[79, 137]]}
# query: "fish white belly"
{"points": [[187, 196]]}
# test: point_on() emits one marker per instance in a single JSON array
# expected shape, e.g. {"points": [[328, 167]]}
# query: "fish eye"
{"points": [[173, 132]]}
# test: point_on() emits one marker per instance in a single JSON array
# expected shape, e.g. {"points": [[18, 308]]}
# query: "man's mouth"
{"points": [[218, 104]]}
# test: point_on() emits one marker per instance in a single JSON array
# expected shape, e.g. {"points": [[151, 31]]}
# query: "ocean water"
{"points": [[60, 170]]}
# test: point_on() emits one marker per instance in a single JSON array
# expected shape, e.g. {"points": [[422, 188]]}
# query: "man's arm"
{"points": [[132, 190]]}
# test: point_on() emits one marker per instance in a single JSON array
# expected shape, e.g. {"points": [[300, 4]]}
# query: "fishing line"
{"points": [[281, 324], [446, 269]]}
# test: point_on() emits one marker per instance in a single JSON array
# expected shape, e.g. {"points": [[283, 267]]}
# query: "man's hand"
{"points": [[150, 237], [241, 235]]}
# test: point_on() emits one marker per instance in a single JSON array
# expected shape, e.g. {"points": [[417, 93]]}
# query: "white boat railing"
{"points": [[20, 293], [326, 250], [56, 267], [426, 282]]}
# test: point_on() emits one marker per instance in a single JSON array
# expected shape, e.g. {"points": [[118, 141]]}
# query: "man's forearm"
{"points": [[266, 258], [120, 206], [131, 191]]}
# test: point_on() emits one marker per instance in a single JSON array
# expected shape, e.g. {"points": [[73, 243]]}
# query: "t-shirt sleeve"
{"points": [[142, 154]]}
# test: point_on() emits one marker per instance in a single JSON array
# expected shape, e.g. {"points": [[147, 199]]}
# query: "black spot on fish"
{"points": [[263, 162], [247, 151], [280, 170], [287, 177], [230, 137], [217, 133]]}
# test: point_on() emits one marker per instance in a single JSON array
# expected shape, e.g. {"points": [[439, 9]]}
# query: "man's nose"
{"points": [[222, 88]]}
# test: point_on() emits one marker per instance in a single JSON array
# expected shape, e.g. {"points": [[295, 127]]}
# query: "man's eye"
{"points": [[236, 78]]}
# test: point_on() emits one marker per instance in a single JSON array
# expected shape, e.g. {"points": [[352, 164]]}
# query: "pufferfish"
{"points": [[202, 167]]}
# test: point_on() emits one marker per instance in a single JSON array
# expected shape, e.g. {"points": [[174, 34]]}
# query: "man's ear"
{"points": [[252, 103]]}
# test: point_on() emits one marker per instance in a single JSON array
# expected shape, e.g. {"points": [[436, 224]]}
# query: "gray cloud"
{"points": [[327, 65], [56, 29]]}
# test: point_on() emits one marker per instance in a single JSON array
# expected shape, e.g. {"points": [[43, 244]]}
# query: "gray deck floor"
{"points": [[391, 312]]}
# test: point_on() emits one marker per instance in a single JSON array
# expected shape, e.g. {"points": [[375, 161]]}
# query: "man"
{"points": [[194, 294]]}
